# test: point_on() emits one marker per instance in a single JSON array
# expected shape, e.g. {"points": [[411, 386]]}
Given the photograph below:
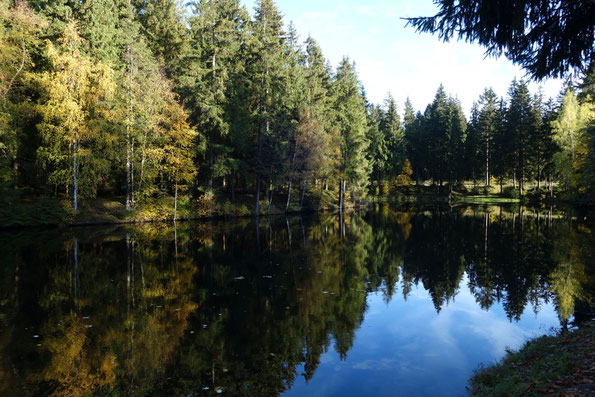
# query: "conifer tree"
{"points": [[519, 125], [163, 26], [217, 31], [395, 137], [266, 72], [472, 157], [294, 97], [487, 124], [377, 150], [350, 120], [414, 144]]}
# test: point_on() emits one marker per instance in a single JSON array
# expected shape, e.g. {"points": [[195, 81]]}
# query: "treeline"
{"points": [[521, 138], [144, 99]]}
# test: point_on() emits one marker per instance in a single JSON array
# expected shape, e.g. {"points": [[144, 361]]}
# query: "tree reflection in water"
{"points": [[247, 307]]}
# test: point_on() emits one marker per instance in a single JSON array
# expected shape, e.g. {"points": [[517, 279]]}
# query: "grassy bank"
{"points": [[424, 192], [17, 209], [558, 365]]}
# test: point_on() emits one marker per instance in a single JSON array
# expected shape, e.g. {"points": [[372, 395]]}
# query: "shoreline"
{"points": [[55, 212], [560, 364]]}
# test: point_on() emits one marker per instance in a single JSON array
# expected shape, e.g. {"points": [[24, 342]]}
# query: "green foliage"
{"points": [[74, 94], [234, 209], [524, 33], [350, 121], [107, 98]]}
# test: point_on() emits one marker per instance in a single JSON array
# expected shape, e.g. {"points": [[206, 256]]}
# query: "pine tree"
{"points": [[414, 144], [295, 95], [377, 150], [350, 120], [487, 124], [436, 127], [473, 163], [395, 138], [519, 125], [163, 26], [266, 71], [216, 34]]}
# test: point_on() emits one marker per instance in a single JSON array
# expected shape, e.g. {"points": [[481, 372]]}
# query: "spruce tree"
{"points": [[487, 124], [350, 120], [265, 68], [519, 125], [216, 35]]}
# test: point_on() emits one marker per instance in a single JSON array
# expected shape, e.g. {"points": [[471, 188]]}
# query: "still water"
{"points": [[383, 303]]}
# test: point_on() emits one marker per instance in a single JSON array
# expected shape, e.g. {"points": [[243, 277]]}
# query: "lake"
{"points": [[383, 302]]}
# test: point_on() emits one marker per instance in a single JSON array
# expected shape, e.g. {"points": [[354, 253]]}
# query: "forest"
{"points": [[211, 106]]}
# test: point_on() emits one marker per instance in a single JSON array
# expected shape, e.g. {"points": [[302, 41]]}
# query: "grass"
{"points": [[549, 365], [18, 210], [490, 199]]}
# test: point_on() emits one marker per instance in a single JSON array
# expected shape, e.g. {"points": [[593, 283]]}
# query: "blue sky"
{"points": [[392, 58]]}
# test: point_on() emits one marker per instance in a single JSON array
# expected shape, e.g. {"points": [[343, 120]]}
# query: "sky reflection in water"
{"points": [[406, 348], [311, 306]]}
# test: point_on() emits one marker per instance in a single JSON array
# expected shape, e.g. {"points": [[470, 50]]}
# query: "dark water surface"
{"points": [[381, 303]]}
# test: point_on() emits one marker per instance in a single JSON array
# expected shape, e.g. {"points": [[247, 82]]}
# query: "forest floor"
{"points": [[556, 365]]}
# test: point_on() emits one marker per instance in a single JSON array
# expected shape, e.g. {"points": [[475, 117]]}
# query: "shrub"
{"points": [[234, 209], [205, 205], [510, 192]]}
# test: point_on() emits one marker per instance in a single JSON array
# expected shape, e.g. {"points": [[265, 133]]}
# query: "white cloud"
{"points": [[390, 57]]}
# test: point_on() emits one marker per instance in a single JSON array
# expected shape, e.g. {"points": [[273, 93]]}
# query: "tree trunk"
{"points": [[128, 169], [129, 153], [176, 199], [211, 158], [305, 183], [538, 178], [212, 130], [521, 180], [75, 183], [233, 189], [290, 179], [341, 195], [487, 162], [257, 206], [270, 198], [288, 193], [75, 271]]}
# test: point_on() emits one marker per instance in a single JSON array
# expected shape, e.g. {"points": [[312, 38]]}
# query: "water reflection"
{"points": [[246, 308]]}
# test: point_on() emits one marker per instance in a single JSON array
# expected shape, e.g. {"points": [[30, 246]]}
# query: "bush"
{"points": [[460, 187], [234, 209], [205, 205], [510, 192]]}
